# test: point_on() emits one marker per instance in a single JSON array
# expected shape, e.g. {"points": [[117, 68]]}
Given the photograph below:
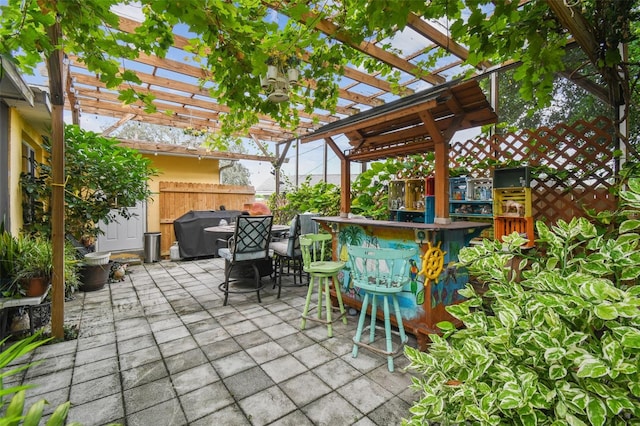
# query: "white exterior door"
{"points": [[124, 234]]}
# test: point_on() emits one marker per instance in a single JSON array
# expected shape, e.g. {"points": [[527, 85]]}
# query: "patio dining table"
{"points": [[230, 229]]}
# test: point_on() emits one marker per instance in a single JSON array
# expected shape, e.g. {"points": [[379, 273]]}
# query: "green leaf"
{"points": [[596, 267], [634, 185], [592, 367], [630, 273], [59, 415], [552, 355], [574, 421], [606, 311], [612, 350], [557, 372], [528, 419], [34, 414], [446, 326], [634, 387], [16, 406], [630, 338], [614, 405], [507, 401], [599, 289], [510, 396]]}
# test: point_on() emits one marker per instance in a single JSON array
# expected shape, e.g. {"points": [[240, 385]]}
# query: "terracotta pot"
{"points": [[35, 287]]}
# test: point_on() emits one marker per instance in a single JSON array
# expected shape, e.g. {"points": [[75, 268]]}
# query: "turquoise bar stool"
{"points": [[380, 273], [321, 273]]}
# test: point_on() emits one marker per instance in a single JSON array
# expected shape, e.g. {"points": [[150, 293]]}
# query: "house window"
{"points": [[29, 166], [28, 159]]}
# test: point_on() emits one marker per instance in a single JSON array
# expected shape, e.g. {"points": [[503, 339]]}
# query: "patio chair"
{"points": [[287, 253], [323, 273], [380, 273], [249, 245]]}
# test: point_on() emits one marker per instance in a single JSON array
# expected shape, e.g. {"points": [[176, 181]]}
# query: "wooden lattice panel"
{"points": [[476, 150], [579, 157]]}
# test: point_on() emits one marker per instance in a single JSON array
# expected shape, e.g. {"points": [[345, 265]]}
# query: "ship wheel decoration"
{"points": [[432, 263]]}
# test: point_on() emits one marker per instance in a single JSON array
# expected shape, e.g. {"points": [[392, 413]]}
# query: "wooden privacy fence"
{"points": [[178, 198], [578, 165]]}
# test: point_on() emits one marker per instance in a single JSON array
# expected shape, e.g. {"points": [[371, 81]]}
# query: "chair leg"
{"points": [[403, 336], [256, 271], [329, 307], [292, 261], [227, 273], [374, 317], [305, 311], [320, 290], [275, 269], [336, 286], [363, 315], [280, 276], [387, 333]]}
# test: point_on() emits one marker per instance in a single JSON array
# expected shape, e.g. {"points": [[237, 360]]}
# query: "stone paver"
{"points": [[160, 349]]}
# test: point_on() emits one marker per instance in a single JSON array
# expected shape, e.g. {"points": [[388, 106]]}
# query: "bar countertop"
{"points": [[402, 225]]}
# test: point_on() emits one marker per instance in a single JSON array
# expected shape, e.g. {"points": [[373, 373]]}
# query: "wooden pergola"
{"points": [[182, 102], [419, 123]]}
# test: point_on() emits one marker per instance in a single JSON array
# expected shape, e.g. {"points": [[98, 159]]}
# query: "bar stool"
{"points": [[321, 272], [380, 273]]}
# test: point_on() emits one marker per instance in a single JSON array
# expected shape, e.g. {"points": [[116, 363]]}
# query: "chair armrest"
{"points": [[230, 242]]}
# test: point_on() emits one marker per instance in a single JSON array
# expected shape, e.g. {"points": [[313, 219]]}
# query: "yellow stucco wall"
{"points": [[19, 131], [171, 169], [177, 169]]}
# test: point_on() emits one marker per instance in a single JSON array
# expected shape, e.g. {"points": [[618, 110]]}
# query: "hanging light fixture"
{"points": [[280, 76]]}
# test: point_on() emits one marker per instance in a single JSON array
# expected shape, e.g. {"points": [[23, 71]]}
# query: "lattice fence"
{"points": [[573, 166]]}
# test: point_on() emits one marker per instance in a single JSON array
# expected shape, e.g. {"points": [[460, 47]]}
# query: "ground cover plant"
{"points": [[555, 339]]}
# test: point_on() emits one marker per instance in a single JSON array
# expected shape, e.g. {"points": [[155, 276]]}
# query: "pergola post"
{"points": [[56, 87]]}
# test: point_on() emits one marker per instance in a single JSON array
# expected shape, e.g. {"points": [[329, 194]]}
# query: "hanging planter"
{"points": [[281, 73], [272, 74], [292, 75]]}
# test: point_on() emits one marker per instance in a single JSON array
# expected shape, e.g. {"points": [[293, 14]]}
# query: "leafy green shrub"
{"points": [[370, 191], [13, 412], [103, 180], [555, 340], [323, 198]]}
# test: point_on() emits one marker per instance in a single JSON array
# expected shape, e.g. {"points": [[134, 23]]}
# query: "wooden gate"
{"points": [[178, 198]]}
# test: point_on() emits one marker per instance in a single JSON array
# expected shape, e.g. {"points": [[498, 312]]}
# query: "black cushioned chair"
{"points": [[249, 246]]}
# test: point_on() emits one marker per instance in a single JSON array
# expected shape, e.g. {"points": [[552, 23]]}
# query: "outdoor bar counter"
{"points": [[422, 306]]}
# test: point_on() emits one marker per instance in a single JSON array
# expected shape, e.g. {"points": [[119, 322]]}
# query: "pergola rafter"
{"points": [[184, 102]]}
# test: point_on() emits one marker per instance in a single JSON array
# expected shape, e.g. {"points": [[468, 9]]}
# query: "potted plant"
{"points": [[10, 250], [27, 257], [34, 265]]}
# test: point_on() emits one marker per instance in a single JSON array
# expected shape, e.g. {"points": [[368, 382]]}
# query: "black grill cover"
{"points": [[192, 239]]}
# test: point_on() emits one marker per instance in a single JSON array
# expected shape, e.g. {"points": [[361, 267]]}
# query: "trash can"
{"points": [[152, 247]]}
